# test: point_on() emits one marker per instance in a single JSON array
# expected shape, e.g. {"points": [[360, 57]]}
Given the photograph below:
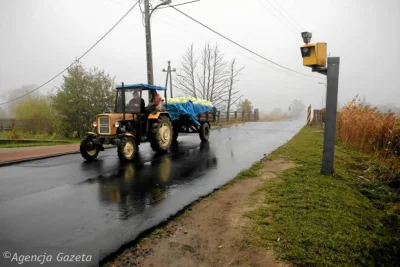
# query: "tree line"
{"points": [[71, 109]]}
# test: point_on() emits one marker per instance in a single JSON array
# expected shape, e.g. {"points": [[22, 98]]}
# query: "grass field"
{"points": [[349, 219], [11, 145], [55, 140]]}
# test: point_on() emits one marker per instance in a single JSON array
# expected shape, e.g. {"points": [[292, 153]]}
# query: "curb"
{"points": [[17, 161]]}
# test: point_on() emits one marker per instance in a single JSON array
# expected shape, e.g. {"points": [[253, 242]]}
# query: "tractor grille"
{"points": [[104, 125]]}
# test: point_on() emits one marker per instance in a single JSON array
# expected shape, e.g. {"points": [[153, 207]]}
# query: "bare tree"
{"points": [[214, 79], [232, 94], [186, 79], [219, 77]]}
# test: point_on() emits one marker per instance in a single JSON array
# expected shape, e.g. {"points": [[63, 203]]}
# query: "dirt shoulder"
{"points": [[212, 232]]}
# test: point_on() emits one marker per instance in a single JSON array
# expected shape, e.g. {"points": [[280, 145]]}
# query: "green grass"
{"points": [[338, 220], [56, 140], [28, 135], [12, 145]]}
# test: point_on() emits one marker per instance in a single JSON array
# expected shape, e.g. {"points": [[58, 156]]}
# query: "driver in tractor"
{"points": [[133, 102]]}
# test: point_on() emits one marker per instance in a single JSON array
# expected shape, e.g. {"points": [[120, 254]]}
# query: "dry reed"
{"points": [[365, 128]]}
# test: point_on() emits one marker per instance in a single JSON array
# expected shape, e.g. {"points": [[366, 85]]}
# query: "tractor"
{"points": [[130, 124]]}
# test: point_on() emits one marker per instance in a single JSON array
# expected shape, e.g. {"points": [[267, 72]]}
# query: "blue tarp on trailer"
{"points": [[188, 108]]}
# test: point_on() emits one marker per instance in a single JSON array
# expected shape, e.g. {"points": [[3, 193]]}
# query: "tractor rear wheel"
{"points": [[161, 134], [204, 132], [127, 149], [88, 149]]}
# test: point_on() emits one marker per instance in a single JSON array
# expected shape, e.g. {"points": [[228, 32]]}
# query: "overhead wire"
{"points": [[288, 25], [243, 47], [77, 60], [288, 15]]}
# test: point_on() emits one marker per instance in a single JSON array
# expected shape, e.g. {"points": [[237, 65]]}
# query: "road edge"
{"points": [[18, 161]]}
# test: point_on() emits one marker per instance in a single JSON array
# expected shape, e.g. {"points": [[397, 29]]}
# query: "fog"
{"points": [[39, 38]]}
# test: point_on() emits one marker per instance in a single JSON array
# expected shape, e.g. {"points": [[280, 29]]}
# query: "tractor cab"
{"points": [[129, 98], [130, 101]]}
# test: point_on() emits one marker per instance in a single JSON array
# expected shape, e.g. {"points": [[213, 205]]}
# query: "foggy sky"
{"points": [[38, 38]]}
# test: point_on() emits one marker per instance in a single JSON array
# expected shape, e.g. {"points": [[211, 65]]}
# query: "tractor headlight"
{"points": [[116, 124], [94, 124]]}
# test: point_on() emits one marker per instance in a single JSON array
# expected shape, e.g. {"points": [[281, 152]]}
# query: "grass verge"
{"points": [[17, 144], [348, 219]]}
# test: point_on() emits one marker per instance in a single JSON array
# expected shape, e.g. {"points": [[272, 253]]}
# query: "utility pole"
{"points": [[149, 53], [169, 75]]}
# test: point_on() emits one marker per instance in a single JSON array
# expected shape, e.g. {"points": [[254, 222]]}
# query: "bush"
{"points": [[365, 128], [36, 116]]}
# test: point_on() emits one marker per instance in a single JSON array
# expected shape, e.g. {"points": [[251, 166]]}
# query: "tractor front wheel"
{"points": [[88, 149], [161, 134], [127, 149]]}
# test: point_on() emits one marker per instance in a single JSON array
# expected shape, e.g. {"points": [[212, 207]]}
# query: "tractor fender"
{"points": [[156, 115], [128, 134]]}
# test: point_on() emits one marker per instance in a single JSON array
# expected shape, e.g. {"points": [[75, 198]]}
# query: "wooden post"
{"points": [[243, 118], [235, 116], [228, 114], [309, 115]]}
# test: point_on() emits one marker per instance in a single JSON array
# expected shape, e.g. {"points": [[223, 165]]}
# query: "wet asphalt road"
{"points": [[66, 205]]}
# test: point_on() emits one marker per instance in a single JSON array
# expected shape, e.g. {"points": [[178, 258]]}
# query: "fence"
{"points": [[235, 116], [318, 117], [7, 124]]}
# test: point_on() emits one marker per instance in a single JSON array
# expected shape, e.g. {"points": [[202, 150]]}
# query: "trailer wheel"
{"points": [[161, 134], [175, 136], [127, 149], [175, 131], [204, 132], [88, 150]]}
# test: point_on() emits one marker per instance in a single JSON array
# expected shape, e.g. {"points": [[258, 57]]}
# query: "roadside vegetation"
{"points": [[39, 143], [349, 219]]}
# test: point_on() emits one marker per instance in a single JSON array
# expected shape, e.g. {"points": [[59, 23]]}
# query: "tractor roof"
{"points": [[143, 86]]}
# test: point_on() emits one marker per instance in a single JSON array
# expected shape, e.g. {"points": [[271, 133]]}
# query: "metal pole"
{"points": [[331, 109], [149, 54], [166, 80], [170, 77]]}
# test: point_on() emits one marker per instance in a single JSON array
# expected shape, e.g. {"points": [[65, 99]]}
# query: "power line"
{"points": [[288, 25], [84, 54], [241, 46], [287, 14], [286, 19]]}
